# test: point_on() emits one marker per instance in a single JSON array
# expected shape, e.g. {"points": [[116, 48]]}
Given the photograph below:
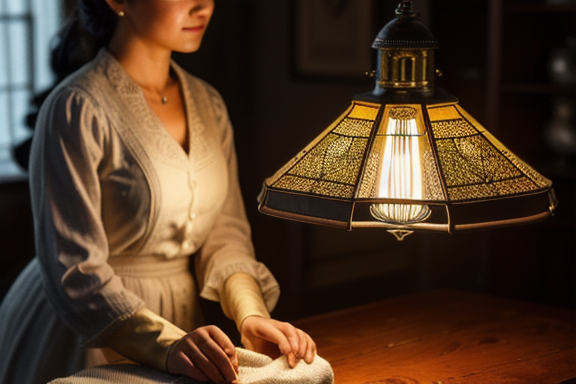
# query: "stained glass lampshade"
{"points": [[406, 156]]}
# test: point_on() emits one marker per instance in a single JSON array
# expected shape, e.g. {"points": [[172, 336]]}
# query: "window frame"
{"points": [[25, 71]]}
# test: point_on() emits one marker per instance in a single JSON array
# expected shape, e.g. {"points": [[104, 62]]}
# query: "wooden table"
{"points": [[447, 337]]}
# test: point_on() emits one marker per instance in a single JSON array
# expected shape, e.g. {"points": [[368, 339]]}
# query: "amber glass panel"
{"points": [[330, 165], [474, 164]]}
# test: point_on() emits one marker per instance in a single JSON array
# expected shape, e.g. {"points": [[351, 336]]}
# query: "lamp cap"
{"points": [[405, 31]]}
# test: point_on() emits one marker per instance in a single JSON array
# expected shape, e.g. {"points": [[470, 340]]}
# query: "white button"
{"points": [[191, 213]]}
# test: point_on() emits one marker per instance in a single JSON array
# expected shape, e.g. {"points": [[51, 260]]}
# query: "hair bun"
{"points": [[97, 18]]}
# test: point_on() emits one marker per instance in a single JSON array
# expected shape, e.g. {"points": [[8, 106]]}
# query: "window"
{"points": [[26, 30]]}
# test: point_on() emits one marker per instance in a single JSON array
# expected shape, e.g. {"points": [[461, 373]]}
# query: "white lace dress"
{"points": [[119, 209]]}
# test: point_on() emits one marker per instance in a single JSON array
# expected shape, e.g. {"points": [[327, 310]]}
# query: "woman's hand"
{"points": [[273, 338], [204, 354]]}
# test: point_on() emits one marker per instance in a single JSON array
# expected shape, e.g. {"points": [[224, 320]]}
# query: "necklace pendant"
{"points": [[164, 100]]}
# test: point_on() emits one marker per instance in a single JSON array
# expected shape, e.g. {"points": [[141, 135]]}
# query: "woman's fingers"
{"points": [[180, 363], [301, 344], [205, 354], [285, 336], [307, 346], [291, 335], [220, 352], [292, 342]]}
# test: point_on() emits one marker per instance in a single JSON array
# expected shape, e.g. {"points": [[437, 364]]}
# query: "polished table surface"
{"points": [[447, 337]]}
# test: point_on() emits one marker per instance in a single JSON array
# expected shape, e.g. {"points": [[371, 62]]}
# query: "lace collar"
{"points": [[133, 96]]}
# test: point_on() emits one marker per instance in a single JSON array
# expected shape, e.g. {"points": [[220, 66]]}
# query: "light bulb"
{"points": [[401, 171]]}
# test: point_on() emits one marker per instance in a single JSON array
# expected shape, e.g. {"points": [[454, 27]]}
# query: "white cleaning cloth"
{"points": [[255, 368]]}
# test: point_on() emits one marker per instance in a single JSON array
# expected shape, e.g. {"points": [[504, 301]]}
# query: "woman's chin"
{"points": [[187, 48]]}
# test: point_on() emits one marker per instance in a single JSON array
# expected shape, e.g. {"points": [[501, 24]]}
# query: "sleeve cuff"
{"points": [[212, 289], [240, 297], [145, 338]]}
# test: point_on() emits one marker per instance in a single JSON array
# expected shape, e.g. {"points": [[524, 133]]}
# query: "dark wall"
{"points": [[15, 232]]}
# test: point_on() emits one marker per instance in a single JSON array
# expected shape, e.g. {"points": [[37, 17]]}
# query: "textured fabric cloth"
{"points": [[110, 188], [260, 369], [254, 369]]}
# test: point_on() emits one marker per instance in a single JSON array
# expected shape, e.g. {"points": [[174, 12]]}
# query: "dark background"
{"points": [[493, 56]]}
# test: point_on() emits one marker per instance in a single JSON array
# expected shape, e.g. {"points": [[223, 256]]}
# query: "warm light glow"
{"points": [[401, 174], [406, 157]]}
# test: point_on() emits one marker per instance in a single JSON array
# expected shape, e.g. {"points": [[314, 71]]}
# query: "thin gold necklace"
{"points": [[163, 99]]}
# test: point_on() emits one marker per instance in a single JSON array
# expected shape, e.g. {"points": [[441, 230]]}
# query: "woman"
{"points": [[133, 174]]}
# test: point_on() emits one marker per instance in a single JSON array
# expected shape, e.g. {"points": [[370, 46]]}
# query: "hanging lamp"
{"points": [[407, 157]]}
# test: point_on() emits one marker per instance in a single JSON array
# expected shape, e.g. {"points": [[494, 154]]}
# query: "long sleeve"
{"points": [[66, 199], [228, 248], [145, 338], [241, 297]]}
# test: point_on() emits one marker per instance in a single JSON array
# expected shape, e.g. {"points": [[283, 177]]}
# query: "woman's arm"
{"points": [[228, 248], [71, 243], [228, 271], [242, 301], [203, 354]]}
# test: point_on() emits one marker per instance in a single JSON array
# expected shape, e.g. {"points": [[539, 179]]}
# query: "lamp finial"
{"points": [[404, 10]]}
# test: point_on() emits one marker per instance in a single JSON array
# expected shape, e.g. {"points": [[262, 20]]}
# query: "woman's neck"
{"points": [[148, 66]]}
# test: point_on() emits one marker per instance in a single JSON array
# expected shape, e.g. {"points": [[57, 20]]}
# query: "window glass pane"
{"points": [[18, 36], [4, 121], [3, 52], [47, 22], [27, 28], [16, 7]]}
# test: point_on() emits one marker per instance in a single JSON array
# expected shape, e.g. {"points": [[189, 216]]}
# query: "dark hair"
{"points": [[98, 19], [87, 29]]}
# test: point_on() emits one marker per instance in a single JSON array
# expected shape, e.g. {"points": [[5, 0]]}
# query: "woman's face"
{"points": [[178, 25]]}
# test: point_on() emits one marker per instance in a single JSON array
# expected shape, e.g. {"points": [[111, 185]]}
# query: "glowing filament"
{"points": [[401, 170]]}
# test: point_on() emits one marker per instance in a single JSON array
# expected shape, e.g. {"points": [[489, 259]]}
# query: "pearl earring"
{"points": [[121, 14]]}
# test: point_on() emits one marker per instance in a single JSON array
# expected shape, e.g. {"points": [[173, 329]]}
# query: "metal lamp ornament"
{"points": [[406, 157]]}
